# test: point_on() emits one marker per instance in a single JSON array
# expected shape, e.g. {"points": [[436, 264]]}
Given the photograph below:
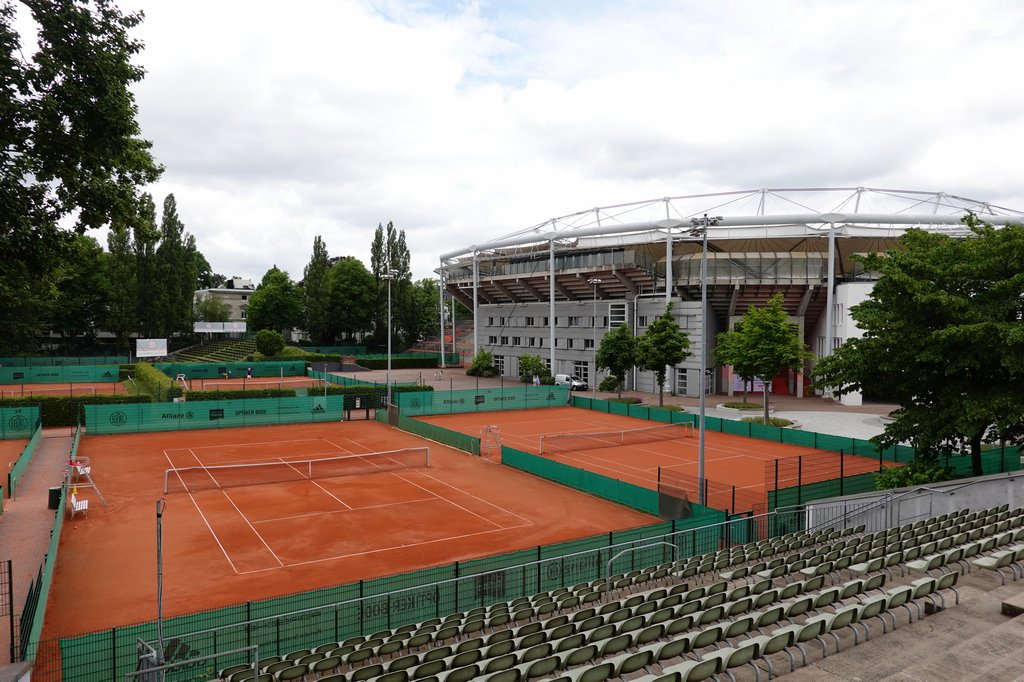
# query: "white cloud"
{"points": [[462, 122]]}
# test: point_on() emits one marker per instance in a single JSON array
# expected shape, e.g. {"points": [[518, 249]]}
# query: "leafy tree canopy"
{"points": [[663, 345], [618, 354], [276, 304], [942, 338]]}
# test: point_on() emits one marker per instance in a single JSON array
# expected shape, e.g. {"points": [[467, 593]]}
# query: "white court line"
{"points": [[345, 511], [228, 497], [203, 517], [454, 504], [388, 549], [475, 497], [311, 480]]}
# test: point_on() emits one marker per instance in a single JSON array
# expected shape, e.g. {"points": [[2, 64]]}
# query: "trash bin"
{"points": [[54, 498]]}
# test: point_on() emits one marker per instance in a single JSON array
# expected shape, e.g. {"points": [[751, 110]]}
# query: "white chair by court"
{"points": [[78, 506]]}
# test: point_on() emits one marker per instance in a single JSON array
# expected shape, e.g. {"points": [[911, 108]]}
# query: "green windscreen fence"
{"points": [[18, 470], [334, 350], [212, 414], [634, 496], [460, 441], [237, 370], [60, 375], [18, 422], [64, 360], [481, 400]]}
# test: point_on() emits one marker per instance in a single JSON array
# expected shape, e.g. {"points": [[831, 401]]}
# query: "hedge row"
{"points": [[64, 411], [426, 362], [238, 394], [154, 383]]}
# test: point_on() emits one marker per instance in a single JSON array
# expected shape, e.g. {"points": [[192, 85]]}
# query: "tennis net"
{"points": [[567, 442], [256, 384], [216, 477]]}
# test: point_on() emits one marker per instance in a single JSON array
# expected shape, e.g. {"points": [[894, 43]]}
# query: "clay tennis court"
{"points": [[228, 546], [63, 390], [728, 459], [10, 451]]}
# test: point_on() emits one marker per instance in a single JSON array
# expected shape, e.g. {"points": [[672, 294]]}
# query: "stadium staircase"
{"points": [[910, 602], [463, 342], [227, 350]]}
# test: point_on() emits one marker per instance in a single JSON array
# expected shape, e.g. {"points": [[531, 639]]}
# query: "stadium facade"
{"points": [[556, 288]]}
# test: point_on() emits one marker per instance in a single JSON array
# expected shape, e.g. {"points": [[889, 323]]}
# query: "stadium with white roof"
{"points": [[555, 288]]}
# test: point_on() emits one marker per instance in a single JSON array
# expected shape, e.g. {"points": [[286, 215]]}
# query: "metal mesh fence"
{"points": [[285, 624], [237, 370]]}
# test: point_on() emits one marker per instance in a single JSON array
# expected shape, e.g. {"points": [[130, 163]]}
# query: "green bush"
{"points": [[772, 421], [64, 411], [532, 366], [154, 383], [744, 406], [269, 342], [483, 365], [238, 394], [609, 384], [426, 362], [924, 469]]}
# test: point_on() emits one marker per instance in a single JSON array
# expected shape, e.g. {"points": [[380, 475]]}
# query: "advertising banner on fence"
{"points": [[150, 348]]}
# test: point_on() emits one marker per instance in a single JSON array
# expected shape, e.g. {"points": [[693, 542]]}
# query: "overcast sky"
{"points": [[464, 121]]}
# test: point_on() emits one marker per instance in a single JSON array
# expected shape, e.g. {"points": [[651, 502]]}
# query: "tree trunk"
{"points": [[976, 454], [661, 389], [766, 402], [745, 392], [620, 381]]}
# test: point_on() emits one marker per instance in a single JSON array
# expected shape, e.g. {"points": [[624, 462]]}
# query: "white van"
{"points": [[574, 383]]}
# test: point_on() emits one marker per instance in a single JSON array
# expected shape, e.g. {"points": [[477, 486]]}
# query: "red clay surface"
{"points": [[728, 459], [229, 546], [60, 390], [242, 384]]}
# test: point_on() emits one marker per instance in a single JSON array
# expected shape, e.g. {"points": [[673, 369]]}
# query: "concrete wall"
{"points": [[847, 295]]}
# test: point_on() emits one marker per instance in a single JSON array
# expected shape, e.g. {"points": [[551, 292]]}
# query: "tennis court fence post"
{"points": [[799, 478], [842, 470]]}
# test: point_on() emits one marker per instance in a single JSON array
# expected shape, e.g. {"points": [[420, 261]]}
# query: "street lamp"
{"points": [[700, 226], [389, 275], [594, 281]]}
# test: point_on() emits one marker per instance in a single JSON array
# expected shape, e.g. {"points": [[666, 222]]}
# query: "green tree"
{"points": [[121, 318], [531, 366], [389, 253], [423, 317], [148, 293], [276, 304], [176, 269], [617, 353], [206, 278], [353, 295], [210, 309], [730, 350], [765, 343], [943, 339], [269, 342], [82, 292], [482, 365], [317, 293], [70, 140], [663, 345]]}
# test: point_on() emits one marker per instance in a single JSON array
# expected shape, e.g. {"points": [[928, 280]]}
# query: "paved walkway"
{"points": [[26, 523]]}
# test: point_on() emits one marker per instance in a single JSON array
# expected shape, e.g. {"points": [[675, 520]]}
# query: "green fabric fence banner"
{"points": [[18, 470], [60, 375], [481, 400], [232, 370], [634, 496], [56, 361], [212, 414], [18, 422]]}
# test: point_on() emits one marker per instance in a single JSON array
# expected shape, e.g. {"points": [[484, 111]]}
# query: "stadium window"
{"points": [[529, 321], [499, 364], [582, 370], [492, 340], [245, 298], [517, 341], [501, 321], [546, 321], [574, 321], [504, 341], [680, 381], [641, 321], [490, 321], [588, 343], [568, 343], [547, 363]]}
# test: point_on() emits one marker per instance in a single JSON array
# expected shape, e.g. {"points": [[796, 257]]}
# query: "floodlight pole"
{"points": [[161, 504], [389, 275], [593, 380], [700, 225]]}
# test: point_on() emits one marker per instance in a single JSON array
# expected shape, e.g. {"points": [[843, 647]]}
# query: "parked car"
{"points": [[574, 383]]}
